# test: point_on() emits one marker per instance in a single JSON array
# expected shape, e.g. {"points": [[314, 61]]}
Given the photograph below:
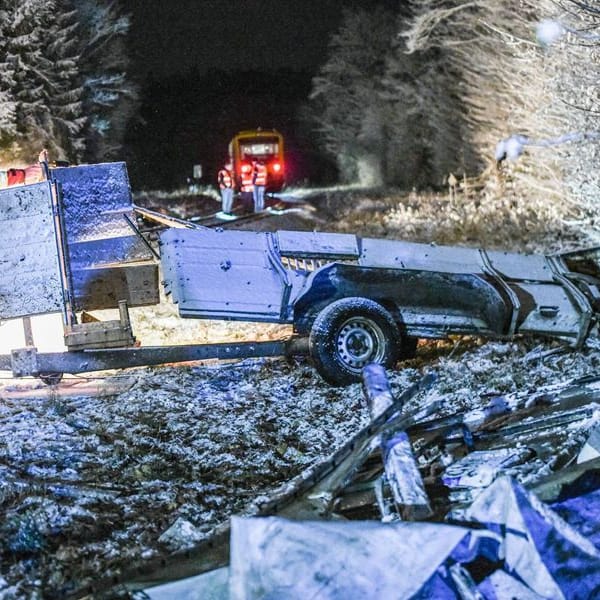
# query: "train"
{"points": [[258, 144]]}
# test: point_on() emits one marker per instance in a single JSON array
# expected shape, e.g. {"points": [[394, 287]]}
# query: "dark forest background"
{"points": [[189, 119], [404, 94]]}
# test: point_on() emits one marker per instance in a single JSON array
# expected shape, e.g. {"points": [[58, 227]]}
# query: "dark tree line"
{"points": [[189, 119], [63, 79], [386, 115], [408, 93]]}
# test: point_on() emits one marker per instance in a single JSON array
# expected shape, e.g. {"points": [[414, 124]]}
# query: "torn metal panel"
{"points": [[417, 257], [550, 310], [94, 199], [30, 278], [521, 267], [469, 475], [224, 274], [502, 585], [310, 244]]}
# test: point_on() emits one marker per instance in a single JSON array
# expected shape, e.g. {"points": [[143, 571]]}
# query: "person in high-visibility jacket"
{"points": [[225, 179], [259, 180], [246, 186]]}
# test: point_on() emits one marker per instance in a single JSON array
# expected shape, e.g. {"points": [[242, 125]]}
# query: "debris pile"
{"points": [[503, 542]]}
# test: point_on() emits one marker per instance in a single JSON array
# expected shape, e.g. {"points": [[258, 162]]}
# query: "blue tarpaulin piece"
{"points": [[540, 549], [579, 505]]}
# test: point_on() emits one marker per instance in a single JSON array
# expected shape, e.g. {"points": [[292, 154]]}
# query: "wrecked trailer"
{"points": [[352, 301], [360, 300]]}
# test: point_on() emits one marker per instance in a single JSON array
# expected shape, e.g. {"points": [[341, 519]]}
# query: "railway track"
{"points": [[153, 221]]}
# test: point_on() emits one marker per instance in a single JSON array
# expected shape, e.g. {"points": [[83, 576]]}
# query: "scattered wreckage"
{"points": [[348, 526], [72, 246]]}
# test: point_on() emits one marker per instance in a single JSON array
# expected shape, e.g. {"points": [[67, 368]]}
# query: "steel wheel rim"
{"points": [[359, 342]]}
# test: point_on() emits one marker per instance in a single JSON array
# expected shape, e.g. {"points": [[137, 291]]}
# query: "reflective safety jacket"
{"points": [[246, 181], [259, 175], [225, 179]]}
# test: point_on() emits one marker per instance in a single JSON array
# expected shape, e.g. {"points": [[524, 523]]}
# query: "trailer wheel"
{"points": [[51, 378], [349, 334]]}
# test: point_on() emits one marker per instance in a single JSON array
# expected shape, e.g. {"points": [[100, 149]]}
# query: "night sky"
{"points": [[207, 69], [175, 36]]}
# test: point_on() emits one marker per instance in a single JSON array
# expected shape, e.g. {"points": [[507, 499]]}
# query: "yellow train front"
{"points": [[258, 144]]}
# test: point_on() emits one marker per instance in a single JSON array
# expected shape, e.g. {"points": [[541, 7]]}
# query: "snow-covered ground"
{"points": [[90, 484]]}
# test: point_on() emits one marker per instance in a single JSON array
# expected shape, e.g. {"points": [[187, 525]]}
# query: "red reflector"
{"points": [[276, 167]]}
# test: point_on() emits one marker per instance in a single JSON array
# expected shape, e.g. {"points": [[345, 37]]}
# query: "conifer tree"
{"points": [[63, 82], [109, 97], [351, 115], [41, 78]]}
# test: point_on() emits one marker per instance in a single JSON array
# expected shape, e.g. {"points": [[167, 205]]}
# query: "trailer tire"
{"points": [[51, 378], [350, 333]]}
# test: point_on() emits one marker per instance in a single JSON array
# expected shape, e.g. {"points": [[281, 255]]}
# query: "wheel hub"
{"points": [[359, 342]]}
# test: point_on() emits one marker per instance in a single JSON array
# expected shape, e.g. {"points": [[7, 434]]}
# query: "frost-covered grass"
{"points": [[90, 485], [494, 216]]}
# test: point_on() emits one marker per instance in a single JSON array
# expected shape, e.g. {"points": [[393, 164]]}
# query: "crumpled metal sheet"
{"points": [[479, 468], [30, 281], [541, 549], [276, 558]]}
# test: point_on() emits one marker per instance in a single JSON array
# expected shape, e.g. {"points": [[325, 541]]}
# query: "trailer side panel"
{"points": [[30, 281]]}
